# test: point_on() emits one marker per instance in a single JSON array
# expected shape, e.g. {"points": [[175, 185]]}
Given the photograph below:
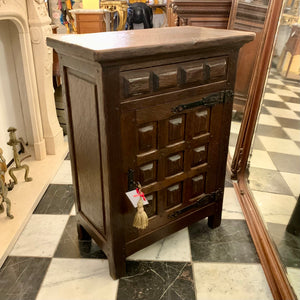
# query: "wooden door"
{"points": [[173, 154]]}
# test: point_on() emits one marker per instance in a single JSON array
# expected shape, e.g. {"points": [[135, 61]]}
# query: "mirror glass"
{"points": [[246, 15], [274, 162]]}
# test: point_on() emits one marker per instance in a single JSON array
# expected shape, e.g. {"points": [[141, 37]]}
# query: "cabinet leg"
{"points": [[83, 235], [214, 221], [117, 266]]}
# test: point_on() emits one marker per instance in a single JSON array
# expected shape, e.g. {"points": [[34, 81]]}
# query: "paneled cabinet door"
{"points": [[171, 155]]}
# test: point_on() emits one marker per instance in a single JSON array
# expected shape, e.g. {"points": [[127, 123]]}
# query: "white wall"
{"points": [[10, 104]]}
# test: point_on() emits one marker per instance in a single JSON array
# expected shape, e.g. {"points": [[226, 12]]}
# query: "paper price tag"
{"points": [[134, 197]]}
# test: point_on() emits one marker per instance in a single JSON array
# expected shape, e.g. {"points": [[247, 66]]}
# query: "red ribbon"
{"points": [[141, 194]]}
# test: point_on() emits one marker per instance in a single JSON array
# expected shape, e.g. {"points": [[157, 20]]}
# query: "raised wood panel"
{"points": [[174, 164], [147, 137], [217, 69], [136, 82], [198, 185], [89, 179], [149, 81], [176, 128], [151, 209], [147, 173], [165, 77], [201, 121], [199, 155], [193, 72], [174, 195]]}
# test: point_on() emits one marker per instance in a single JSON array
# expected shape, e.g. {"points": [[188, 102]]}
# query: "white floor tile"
{"points": [[283, 113], [175, 247], [293, 88], [272, 96], [294, 134], [279, 145], [73, 211], [294, 275], [231, 205], [293, 106], [275, 208], [274, 81], [284, 92], [268, 120], [215, 281], [40, 236], [64, 174], [231, 151], [78, 279], [293, 181], [235, 127], [261, 159]]}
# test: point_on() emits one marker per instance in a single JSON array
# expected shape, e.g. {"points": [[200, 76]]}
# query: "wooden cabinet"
{"points": [[206, 13], [90, 21], [152, 106]]}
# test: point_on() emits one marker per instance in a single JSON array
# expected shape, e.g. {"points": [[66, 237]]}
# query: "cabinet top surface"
{"points": [[127, 44]]}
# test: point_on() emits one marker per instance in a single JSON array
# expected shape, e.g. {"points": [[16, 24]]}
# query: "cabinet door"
{"points": [[173, 155]]}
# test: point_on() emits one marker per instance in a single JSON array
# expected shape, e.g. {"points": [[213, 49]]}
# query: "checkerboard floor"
{"points": [[49, 262], [275, 166]]}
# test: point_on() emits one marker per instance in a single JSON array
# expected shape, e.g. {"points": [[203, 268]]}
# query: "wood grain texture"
{"points": [[122, 121], [128, 44]]}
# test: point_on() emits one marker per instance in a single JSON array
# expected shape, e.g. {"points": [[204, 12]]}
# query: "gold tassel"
{"points": [[141, 218]]}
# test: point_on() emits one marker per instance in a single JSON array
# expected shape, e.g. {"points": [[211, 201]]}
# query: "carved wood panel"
{"points": [[171, 155]]}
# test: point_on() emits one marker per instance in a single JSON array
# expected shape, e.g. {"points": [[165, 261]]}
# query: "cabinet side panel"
{"points": [[83, 112]]}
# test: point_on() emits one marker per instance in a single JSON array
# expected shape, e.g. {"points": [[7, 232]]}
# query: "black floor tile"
{"points": [[70, 247], [288, 245], [286, 162], [233, 139], [228, 181], [277, 86], [258, 145], [21, 277], [57, 200], [269, 181], [272, 131], [269, 90], [288, 123], [229, 243], [290, 99], [157, 280], [264, 111], [277, 104]]}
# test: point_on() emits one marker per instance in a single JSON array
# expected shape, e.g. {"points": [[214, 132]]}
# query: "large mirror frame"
{"points": [[270, 261]]}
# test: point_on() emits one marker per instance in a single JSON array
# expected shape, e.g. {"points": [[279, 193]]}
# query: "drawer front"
{"points": [[174, 155], [172, 77]]}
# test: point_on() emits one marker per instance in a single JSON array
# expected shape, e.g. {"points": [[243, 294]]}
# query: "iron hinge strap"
{"points": [[201, 202], [212, 99]]}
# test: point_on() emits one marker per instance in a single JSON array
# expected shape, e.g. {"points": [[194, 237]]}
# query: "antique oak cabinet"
{"points": [[152, 106]]}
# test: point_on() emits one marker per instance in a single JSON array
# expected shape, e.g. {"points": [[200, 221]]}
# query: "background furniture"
{"points": [[157, 109], [91, 21], [289, 62], [207, 13]]}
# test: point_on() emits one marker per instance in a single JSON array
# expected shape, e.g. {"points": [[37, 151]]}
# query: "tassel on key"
{"points": [[141, 218]]}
